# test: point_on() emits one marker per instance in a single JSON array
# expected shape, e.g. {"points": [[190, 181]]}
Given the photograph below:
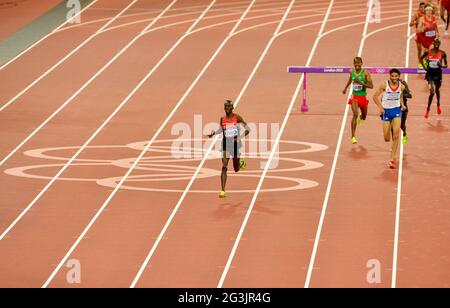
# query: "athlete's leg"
{"points": [[403, 124], [223, 177], [355, 108], [395, 138], [236, 164], [432, 91], [387, 131], [448, 19], [443, 14], [438, 84], [419, 51], [364, 112]]}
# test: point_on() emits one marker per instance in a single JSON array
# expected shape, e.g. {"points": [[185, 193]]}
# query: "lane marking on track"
{"points": [[102, 30], [193, 178], [275, 146], [54, 114], [104, 124], [276, 3], [48, 35], [34, 201], [47, 72], [180, 201], [330, 182], [164, 167], [94, 219], [85, 85], [92, 137], [400, 171], [68, 101]]}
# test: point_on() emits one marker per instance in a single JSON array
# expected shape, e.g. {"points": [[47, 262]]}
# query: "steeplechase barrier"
{"points": [[346, 70]]}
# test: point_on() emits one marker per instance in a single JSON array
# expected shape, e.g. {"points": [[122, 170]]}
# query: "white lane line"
{"points": [[314, 5], [204, 159], [180, 201], [333, 169], [274, 147], [144, 33], [116, 111], [314, 9], [46, 73], [82, 148], [85, 85], [179, 14], [306, 17], [290, 109], [400, 171], [69, 163], [45, 37], [105, 204]]}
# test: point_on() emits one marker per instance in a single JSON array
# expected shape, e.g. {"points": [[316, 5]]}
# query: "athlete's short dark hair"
{"points": [[228, 102], [394, 71], [358, 59]]}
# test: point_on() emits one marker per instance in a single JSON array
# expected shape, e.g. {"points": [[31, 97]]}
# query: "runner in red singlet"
{"points": [[415, 23], [445, 7], [231, 143], [428, 26]]}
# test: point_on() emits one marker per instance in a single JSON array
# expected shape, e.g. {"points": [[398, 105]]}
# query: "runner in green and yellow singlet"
{"points": [[360, 80]]}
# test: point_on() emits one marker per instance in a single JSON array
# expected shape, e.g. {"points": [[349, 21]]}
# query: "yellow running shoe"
{"points": [[354, 141], [243, 165], [222, 194], [420, 65], [405, 139]]}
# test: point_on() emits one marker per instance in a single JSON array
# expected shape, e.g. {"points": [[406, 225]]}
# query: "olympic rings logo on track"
{"points": [[159, 171]]}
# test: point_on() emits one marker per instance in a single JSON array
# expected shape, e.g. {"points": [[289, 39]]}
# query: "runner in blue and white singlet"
{"points": [[391, 106], [391, 102]]}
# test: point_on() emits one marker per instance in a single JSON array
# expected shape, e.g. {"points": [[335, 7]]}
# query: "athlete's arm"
{"points": [[376, 98], [414, 21], [421, 25], [369, 83], [444, 60], [219, 131], [247, 129], [349, 82], [406, 92]]}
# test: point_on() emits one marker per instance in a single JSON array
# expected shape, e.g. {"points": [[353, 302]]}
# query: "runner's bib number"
{"points": [[391, 100], [430, 33], [231, 132], [433, 64], [357, 87]]}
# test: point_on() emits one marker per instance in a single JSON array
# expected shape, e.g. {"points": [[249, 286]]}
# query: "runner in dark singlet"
{"points": [[436, 60]]}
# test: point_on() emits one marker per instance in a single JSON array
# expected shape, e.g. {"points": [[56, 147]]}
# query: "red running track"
{"points": [[55, 208]]}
